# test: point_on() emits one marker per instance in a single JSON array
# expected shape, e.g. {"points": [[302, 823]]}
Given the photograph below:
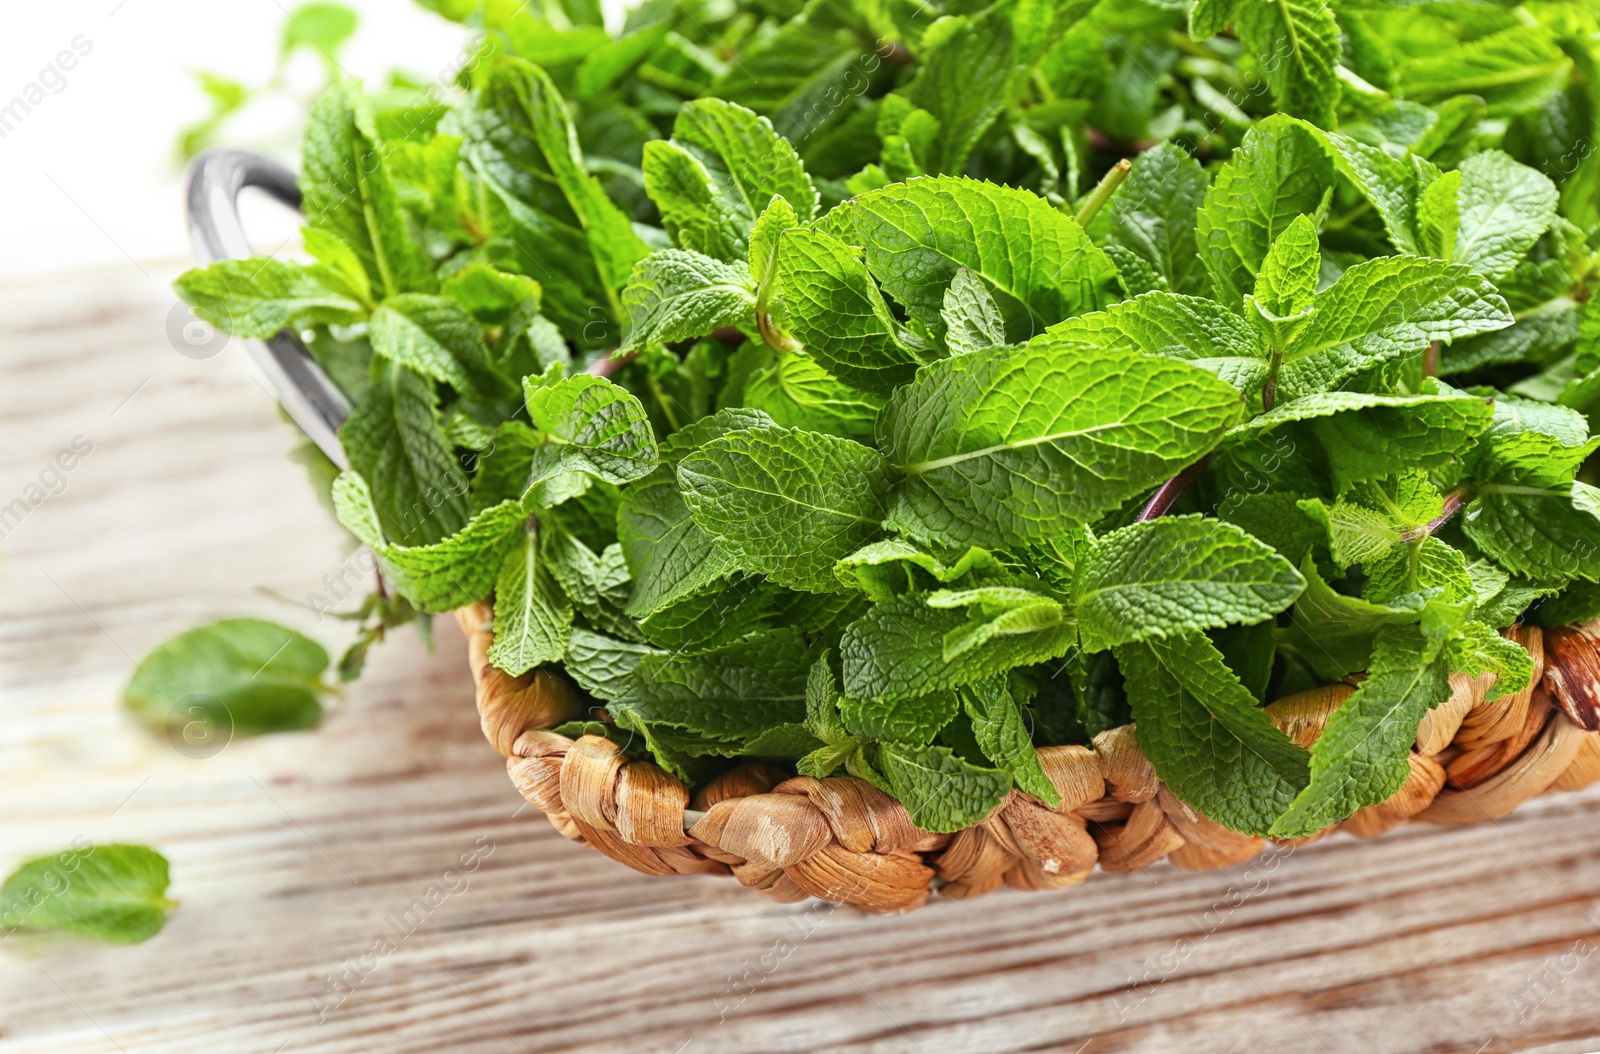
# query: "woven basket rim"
{"points": [[843, 840]]}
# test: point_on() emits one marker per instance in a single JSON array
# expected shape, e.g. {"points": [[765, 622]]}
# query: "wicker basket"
{"points": [[841, 839]]}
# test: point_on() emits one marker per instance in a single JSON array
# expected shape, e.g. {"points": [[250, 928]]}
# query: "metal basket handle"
{"points": [[211, 198]]}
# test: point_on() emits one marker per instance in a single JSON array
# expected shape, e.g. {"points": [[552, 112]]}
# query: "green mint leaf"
{"points": [[1515, 70], [1482, 650], [784, 503], [1502, 208], [114, 892], [237, 675], [1153, 213], [823, 717], [796, 392], [1288, 277], [1382, 309], [1355, 533], [713, 618], [1297, 43], [675, 295], [1175, 326], [1280, 172], [1005, 737], [964, 81], [458, 569], [1207, 18], [1205, 735], [1362, 755], [258, 297], [820, 294], [911, 722], [349, 191], [670, 556], [1528, 517], [719, 171], [898, 649], [393, 439], [1333, 633], [532, 618], [590, 425], [604, 666], [887, 568], [941, 790], [1004, 446], [972, 320], [1389, 183], [597, 584], [490, 295], [777, 217], [1174, 575], [434, 336], [1038, 263]]}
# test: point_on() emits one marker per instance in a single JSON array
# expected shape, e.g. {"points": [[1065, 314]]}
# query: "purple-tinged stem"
{"points": [[1162, 501], [1452, 505]]}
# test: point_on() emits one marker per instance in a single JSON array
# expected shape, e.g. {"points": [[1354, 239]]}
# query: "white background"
{"points": [[92, 176]]}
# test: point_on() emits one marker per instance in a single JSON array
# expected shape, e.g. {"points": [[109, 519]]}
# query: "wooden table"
{"points": [[300, 859]]}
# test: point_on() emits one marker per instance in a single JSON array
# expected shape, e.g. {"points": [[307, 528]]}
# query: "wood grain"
{"points": [[295, 856]]}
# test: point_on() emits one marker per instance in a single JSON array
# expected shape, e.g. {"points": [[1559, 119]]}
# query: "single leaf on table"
{"points": [[897, 650], [349, 191], [718, 172], [1038, 263], [785, 503], [1205, 735], [1298, 48], [1153, 215], [114, 892], [1363, 754], [532, 617], [942, 791], [590, 425], [237, 675], [1280, 172], [434, 336], [972, 319], [394, 440], [258, 297], [1006, 446], [1006, 738], [1177, 574], [674, 295], [820, 294], [440, 576]]}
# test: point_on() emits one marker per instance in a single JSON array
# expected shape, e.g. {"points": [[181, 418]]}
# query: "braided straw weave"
{"points": [[841, 839]]}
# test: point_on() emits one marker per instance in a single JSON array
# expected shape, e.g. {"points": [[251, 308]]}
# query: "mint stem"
{"points": [[1430, 360], [1167, 496], [1452, 505], [1269, 390], [1102, 192], [610, 363]]}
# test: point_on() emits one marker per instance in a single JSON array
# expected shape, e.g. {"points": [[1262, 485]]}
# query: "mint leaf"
{"points": [[942, 791], [114, 892], [911, 722], [784, 503], [885, 569], [972, 320], [238, 675], [670, 556], [1038, 263], [1004, 446], [674, 295], [434, 336], [1514, 70], [964, 82], [1297, 43], [1334, 633], [1175, 575], [1153, 215], [1205, 735], [532, 619], [590, 425], [718, 172], [258, 297], [1280, 172], [898, 649], [393, 437], [1502, 208], [797, 392], [1005, 737], [1362, 755], [1287, 281]]}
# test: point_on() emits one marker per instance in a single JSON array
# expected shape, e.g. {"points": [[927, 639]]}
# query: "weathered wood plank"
{"points": [[296, 855]]}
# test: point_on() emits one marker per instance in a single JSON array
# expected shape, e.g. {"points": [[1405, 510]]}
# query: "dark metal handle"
{"points": [[211, 197]]}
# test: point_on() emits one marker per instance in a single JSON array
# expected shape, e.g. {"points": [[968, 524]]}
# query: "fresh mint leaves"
{"points": [[891, 392], [115, 893]]}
